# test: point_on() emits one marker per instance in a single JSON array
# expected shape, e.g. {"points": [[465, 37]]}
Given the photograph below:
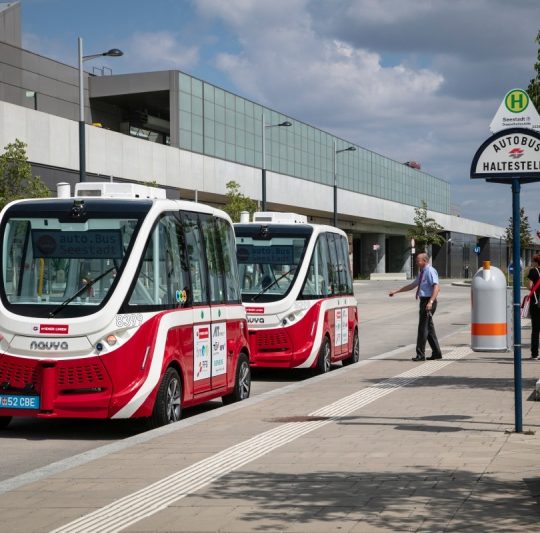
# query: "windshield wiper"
{"points": [[264, 289], [65, 303]]}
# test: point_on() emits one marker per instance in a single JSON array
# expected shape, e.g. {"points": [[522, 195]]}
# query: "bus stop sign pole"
{"points": [[512, 156], [516, 254]]}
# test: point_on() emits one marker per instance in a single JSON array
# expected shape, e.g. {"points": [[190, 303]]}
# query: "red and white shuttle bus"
{"points": [[298, 293], [118, 303]]}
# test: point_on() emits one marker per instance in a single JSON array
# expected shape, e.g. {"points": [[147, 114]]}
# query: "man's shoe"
{"points": [[434, 357], [419, 358]]}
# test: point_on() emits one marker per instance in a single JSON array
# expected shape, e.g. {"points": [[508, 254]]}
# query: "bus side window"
{"points": [[162, 276], [214, 259], [347, 265], [225, 234], [317, 282], [342, 260], [332, 265], [195, 253]]}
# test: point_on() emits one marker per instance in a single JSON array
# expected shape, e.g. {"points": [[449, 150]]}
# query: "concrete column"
{"points": [[399, 255], [373, 260]]}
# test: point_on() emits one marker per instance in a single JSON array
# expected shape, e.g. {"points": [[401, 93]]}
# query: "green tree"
{"points": [[16, 180], [238, 202], [524, 231], [426, 231], [534, 86]]}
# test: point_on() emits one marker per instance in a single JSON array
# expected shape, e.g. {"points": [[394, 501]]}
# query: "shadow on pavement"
{"points": [[421, 499], [456, 382]]}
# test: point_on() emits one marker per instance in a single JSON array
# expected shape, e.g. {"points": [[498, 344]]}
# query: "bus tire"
{"points": [[4, 421], [355, 355], [168, 406], [242, 382], [324, 361]]}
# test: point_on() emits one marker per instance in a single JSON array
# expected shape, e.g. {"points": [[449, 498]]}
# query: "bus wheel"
{"points": [[242, 384], [324, 361], [355, 355], [4, 421], [168, 406]]}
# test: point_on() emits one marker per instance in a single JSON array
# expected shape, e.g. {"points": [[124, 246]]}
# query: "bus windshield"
{"points": [[269, 261], [55, 266]]}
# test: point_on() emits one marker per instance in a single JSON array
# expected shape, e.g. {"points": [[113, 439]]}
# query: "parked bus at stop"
{"points": [[118, 303], [297, 290]]}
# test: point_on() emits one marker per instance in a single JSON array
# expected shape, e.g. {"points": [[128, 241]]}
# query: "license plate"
{"points": [[18, 401]]}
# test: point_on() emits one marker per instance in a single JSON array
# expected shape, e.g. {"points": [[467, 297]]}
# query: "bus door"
{"points": [[202, 319], [218, 311], [340, 314]]}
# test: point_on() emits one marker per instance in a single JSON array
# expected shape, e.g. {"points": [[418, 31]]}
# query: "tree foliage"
{"points": [[16, 180], [524, 230], [426, 231], [238, 202], [534, 86]]}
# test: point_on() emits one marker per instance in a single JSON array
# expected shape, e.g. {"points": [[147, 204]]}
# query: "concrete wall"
{"points": [[10, 23], [56, 86]]}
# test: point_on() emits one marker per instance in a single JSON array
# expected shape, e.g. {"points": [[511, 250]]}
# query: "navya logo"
{"points": [[516, 153], [255, 320], [49, 345]]}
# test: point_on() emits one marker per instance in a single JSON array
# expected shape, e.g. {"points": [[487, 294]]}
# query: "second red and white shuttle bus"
{"points": [[297, 289]]}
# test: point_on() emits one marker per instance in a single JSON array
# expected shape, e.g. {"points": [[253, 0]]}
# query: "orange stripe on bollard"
{"points": [[488, 329]]}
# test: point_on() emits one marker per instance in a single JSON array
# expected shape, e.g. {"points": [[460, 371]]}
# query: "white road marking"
{"points": [[159, 495]]}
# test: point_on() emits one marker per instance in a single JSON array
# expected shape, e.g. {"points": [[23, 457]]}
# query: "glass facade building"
{"points": [[217, 123]]}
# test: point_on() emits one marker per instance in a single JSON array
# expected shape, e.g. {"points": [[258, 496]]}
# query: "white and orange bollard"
{"points": [[488, 310]]}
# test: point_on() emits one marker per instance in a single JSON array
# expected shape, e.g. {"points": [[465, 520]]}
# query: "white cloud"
{"points": [[159, 50], [303, 58]]}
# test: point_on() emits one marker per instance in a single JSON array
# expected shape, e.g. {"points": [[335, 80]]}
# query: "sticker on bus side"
{"points": [[337, 327], [344, 326], [219, 349], [201, 352]]}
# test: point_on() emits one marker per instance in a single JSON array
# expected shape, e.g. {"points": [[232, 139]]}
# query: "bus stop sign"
{"points": [[510, 154]]}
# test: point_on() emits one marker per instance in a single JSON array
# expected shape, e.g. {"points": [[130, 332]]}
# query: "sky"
{"points": [[410, 79]]}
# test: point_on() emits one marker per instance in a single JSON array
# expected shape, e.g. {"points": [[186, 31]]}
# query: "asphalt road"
{"points": [[385, 324]]}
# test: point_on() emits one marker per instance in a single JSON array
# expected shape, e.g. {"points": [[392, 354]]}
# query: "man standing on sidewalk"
{"points": [[427, 290]]}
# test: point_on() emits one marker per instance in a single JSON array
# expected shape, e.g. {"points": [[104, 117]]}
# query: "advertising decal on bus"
{"points": [[219, 351], [201, 368]]}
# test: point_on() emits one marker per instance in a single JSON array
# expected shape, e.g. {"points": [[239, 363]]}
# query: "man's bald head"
{"points": [[422, 259]]}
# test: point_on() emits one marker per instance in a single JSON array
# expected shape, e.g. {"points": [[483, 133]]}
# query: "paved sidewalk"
{"points": [[385, 445]]}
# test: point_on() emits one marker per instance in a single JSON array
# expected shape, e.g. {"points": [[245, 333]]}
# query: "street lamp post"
{"points": [[448, 248], [113, 52], [336, 151], [263, 169]]}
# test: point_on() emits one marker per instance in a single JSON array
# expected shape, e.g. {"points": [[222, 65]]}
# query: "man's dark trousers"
{"points": [[426, 330]]}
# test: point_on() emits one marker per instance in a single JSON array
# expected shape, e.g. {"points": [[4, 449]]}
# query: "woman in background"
{"points": [[534, 276]]}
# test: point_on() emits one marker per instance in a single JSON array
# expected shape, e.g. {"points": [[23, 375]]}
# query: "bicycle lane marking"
{"points": [[159, 495]]}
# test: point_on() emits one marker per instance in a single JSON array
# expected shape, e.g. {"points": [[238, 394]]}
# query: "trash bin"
{"points": [[488, 310]]}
